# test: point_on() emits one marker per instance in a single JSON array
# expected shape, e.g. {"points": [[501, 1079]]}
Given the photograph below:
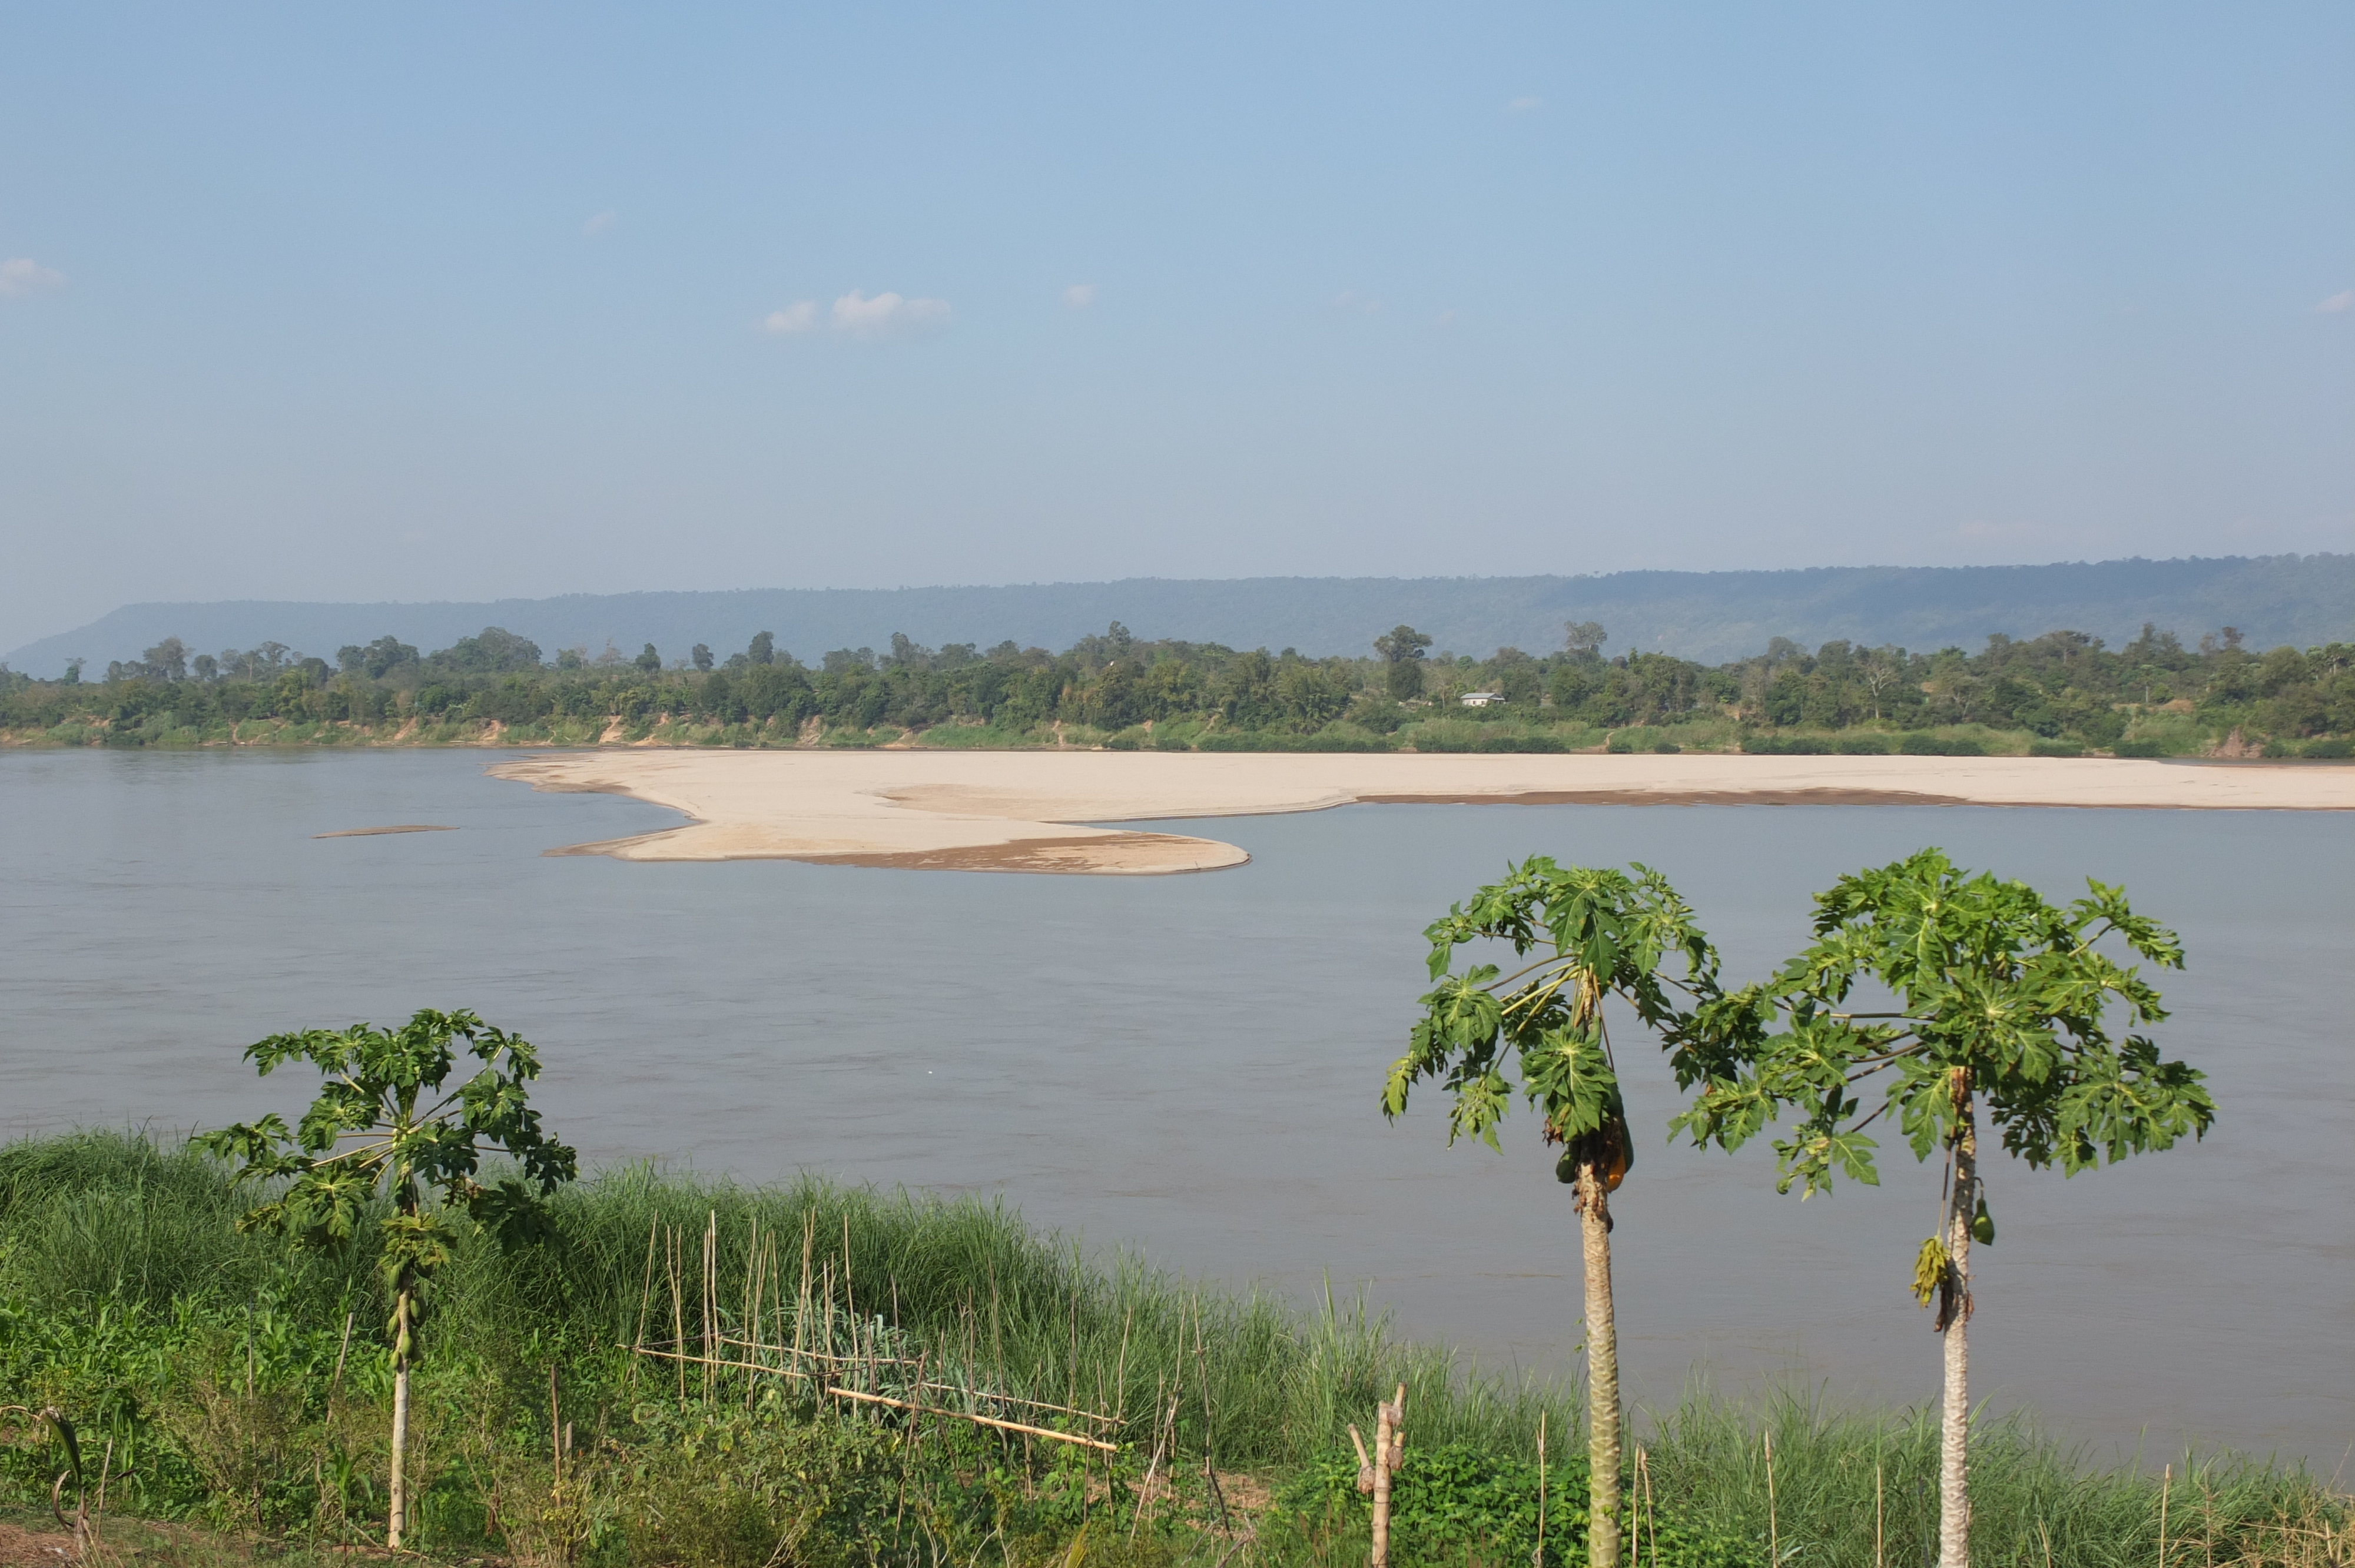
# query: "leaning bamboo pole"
{"points": [[854, 1372]]}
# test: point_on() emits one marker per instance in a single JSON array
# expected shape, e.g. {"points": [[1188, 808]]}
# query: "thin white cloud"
{"points": [[1079, 296], [23, 275], [1523, 105], [1350, 300], [886, 315], [799, 317], [1444, 318], [856, 314], [2339, 305], [599, 223]]}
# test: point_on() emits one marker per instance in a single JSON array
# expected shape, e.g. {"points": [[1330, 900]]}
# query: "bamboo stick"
{"points": [[711, 1293], [690, 1358], [1651, 1515], [1045, 1432], [677, 1310], [647, 1292], [801, 1304], [833, 1392]]}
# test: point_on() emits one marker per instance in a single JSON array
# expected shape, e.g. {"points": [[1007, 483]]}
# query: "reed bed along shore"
{"points": [[231, 1379]]}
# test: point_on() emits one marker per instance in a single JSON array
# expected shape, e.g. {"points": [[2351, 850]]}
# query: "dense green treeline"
{"points": [[238, 1379], [2061, 693]]}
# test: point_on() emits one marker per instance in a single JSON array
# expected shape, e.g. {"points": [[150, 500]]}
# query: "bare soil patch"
{"points": [[1124, 854]]}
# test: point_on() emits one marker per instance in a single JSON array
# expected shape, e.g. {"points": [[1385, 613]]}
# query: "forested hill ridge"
{"points": [[1712, 617], [2064, 694]]}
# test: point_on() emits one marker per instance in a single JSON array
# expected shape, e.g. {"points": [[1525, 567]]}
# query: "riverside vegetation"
{"points": [[364, 1326], [2060, 694], [243, 1381]]}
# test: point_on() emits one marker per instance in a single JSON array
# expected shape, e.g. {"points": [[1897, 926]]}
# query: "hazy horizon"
{"points": [[454, 304], [2303, 601]]}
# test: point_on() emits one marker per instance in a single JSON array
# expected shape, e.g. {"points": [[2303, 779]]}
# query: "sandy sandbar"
{"points": [[1032, 810], [397, 827]]}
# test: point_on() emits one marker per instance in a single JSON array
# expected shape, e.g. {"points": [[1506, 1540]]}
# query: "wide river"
{"points": [[1190, 1064]]}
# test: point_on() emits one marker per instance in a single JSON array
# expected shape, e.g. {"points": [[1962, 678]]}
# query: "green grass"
{"points": [[211, 1359]]}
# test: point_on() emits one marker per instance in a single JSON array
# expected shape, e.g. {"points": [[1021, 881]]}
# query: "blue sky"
{"points": [[465, 300]]}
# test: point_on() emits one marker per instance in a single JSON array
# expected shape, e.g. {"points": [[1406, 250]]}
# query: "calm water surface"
{"points": [[1190, 1064]]}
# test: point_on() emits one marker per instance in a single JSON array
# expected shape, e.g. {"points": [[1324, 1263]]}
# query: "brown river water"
{"points": [[1190, 1064]]}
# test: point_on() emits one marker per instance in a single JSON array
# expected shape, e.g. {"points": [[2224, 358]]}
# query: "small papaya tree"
{"points": [[1996, 1012], [386, 1139], [1596, 933]]}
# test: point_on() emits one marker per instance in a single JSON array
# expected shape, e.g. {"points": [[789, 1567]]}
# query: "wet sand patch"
{"points": [[1817, 797], [399, 828]]}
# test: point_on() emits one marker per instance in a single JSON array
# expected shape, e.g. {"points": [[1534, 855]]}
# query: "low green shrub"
{"points": [[1455, 1503], [1921, 743], [1270, 740]]}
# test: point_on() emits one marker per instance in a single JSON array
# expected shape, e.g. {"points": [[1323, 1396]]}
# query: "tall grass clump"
{"points": [[91, 1219], [1257, 1379], [1859, 1489], [99, 1223]]}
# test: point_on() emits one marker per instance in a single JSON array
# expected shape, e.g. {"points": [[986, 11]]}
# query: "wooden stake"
{"points": [[1386, 1433]]}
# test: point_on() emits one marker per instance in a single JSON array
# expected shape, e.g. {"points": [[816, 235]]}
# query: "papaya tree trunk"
{"points": [[1954, 1469], [1601, 1370], [398, 1522]]}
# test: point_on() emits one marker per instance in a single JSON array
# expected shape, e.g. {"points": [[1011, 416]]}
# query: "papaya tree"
{"points": [[1986, 1008], [386, 1142], [1595, 933]]}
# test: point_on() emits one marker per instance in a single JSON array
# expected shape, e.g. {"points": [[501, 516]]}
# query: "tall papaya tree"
{"points": [[386, 1139], [1986, 1010], [1595, 933]]}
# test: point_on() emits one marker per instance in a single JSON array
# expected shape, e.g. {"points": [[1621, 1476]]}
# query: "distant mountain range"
{"points": [[1709, 616]]}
